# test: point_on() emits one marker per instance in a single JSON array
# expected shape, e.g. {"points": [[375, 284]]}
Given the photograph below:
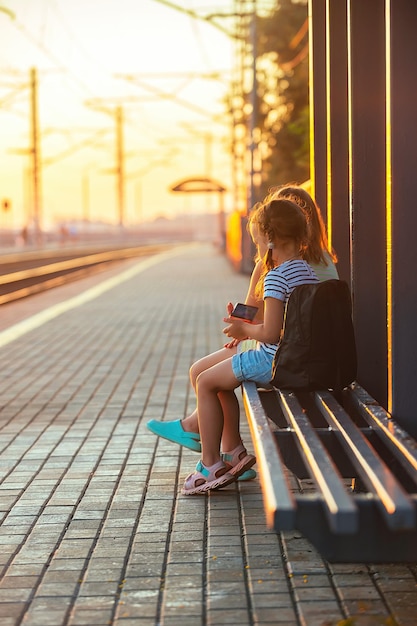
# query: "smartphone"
{"points": [[244, 311]]}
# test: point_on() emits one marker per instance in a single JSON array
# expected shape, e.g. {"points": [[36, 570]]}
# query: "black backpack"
{"points": [[317, 348]]}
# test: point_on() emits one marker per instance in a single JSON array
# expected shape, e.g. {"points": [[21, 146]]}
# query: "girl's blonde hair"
{"points": [[317, 245], [279, 220]]}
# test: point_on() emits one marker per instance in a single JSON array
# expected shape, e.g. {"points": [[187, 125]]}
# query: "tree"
{"points": [[282, 94]]}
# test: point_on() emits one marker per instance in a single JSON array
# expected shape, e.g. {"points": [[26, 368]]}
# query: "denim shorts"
{"points": [[253, 365]]}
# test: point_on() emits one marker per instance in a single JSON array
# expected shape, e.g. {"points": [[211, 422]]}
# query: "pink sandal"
{"points": [[207, 479], [238, 460]]}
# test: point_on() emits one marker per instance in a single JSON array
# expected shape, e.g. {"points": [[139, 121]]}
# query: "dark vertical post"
{"points": [[402, 213], [338, 219], [367, 108], [317, 87]]}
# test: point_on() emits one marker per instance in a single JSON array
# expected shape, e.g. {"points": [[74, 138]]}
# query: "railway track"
{"points": [[27, 273]]}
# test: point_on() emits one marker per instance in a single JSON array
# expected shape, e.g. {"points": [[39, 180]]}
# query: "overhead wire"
{"points": [[51, 56], [39, 41]]}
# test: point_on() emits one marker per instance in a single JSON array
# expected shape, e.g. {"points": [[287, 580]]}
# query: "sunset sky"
{"points": [[78, 48]]}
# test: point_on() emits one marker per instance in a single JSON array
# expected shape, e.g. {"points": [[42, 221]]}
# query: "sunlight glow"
{"points": [[81, 50]]}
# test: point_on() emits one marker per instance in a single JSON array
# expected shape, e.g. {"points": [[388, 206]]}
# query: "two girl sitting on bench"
{"points": [[285, 236]]}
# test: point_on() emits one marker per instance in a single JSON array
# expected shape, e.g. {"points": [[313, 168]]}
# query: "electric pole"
{"points": [[35, 154], [120, 164], [116, 112]]}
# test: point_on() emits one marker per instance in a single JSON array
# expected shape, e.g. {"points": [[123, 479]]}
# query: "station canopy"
{"points": [[198, 185]]}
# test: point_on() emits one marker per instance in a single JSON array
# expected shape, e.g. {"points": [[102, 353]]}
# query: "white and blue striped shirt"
{"points": [[281, 281]]}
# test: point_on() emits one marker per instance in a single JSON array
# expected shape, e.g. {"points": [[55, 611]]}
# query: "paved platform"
{"points": [[94, 530]]}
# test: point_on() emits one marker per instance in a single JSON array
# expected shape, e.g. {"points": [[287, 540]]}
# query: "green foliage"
{"points": [[282, 92]]}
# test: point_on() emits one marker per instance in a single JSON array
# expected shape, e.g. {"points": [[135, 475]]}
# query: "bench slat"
{"points": [[397, 508], [280, 505], [399, 442], [340, 507]]}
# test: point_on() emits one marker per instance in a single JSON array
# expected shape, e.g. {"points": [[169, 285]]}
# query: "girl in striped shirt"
{"points": [[279, 230]]}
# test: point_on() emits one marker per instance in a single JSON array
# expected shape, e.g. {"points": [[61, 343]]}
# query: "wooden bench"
{"points": [[341, 472]]}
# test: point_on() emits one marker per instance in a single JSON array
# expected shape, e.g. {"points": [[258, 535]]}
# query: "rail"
{"points": [[28, 281]]}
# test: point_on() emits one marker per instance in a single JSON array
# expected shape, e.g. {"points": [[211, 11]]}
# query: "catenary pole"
{"points": [[35, 154]]}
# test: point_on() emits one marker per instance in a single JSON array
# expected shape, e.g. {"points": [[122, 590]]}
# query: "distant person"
{"points": [[185, 432], [23, 237], [63, 234], [72, 232]]}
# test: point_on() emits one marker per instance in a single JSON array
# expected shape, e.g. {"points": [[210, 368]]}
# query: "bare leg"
{"points": [[230, 405], [190, 423], [216, 380], [231, 419]]}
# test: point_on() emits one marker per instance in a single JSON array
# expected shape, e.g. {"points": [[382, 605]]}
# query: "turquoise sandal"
{"points": [[238, 461], [173, 431]]}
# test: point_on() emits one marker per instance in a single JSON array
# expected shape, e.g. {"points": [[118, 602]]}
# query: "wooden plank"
{"points": [[341, 510], [279, 501], [397, 508], [373, 543], [401, 444]]}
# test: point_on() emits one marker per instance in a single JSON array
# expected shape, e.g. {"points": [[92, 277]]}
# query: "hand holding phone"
{"points": [[244, 312]]}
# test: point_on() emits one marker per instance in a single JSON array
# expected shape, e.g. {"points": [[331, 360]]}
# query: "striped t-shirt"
{"points": [[280, 282]]}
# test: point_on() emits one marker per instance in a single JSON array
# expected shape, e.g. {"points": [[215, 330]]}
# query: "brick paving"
{"points": [[94, 530]]}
